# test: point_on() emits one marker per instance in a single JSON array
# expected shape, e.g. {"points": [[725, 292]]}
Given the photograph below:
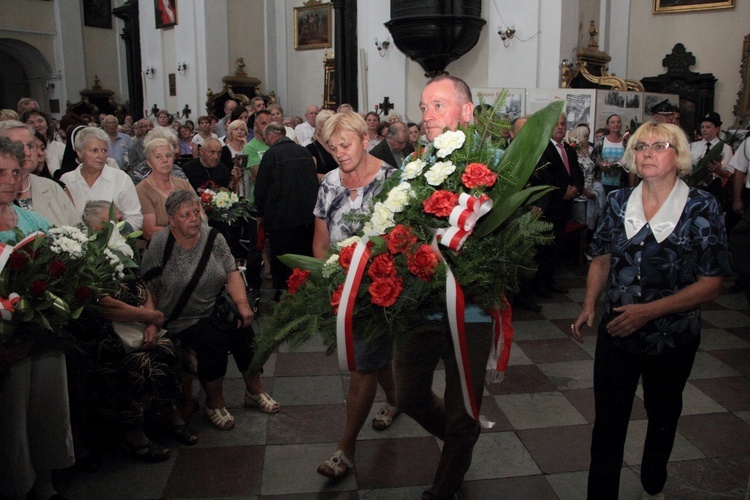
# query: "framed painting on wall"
{"points": [[312, 26], [669, 6], [97, 13], [166, 13]]}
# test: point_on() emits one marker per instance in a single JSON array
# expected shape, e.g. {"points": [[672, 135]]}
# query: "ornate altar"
{"points": [[329, 82], [696, 90], [241, 87], [590, 71], [97, 100]]}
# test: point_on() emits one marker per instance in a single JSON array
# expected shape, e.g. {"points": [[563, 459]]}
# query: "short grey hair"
{"points": [[12, 149], [8, 125], [179, 197], [90, 133], [167, 133], [92, 212], [275, 128]]}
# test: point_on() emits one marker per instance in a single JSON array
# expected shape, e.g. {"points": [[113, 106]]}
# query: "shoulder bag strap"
{"points": [[190, 287], [156, 271]]}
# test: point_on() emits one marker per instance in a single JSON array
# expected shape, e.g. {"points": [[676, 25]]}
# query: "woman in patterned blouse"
{"points": [[659, 253]]}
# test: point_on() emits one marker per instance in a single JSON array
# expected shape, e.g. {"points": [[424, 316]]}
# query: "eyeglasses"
{"points": [[656, 147], [32, 146]]}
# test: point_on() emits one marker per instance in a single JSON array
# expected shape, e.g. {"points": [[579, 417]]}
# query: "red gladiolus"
{"points": [[382, 266], [400, 239], [83, 294], [18, 261], [296, 280], [440, 203], [478, 175], [422, 263], [336, 298], [345, 255], [57, 268], [37, 288], [384, 292]]}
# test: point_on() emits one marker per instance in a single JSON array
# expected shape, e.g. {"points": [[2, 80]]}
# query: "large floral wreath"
{"points": [[449, 223]]}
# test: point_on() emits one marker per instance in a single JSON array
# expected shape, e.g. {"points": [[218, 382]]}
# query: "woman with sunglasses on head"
{"points": [[659, 253]]}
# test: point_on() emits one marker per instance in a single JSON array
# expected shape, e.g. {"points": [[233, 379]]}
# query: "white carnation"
{"points": [[448, 142], [382, 218], [439, 172], [345, 243], [68, 240], [413, 169], [331, 265], [398, 197]]}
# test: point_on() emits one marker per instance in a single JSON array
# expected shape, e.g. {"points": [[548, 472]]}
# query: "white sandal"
{"points": [[336, 466], [221, 418], [382, 419], [263, 401]]}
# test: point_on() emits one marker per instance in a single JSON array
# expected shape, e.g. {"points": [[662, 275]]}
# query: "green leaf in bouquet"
{"points": [[701, 176], [304, 262], [506, 207]]}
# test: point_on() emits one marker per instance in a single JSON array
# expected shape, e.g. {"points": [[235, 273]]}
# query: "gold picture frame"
{"points": [[671, 6], [329, 82], [312, 26]]}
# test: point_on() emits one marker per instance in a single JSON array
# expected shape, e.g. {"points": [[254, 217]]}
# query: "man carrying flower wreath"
{"points": [[446, 103]]}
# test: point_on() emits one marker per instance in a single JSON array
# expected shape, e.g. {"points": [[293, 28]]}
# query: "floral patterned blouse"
{"points": [[335, 203], [643, 270]]}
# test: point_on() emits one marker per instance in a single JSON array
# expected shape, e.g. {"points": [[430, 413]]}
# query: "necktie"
{"points": [[708, 148], [564, 156]]}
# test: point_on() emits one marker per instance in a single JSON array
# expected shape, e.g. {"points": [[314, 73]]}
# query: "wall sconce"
{"points": [[182, 68], [506, 35], [150, 72], [383, 47], [50, 85]]}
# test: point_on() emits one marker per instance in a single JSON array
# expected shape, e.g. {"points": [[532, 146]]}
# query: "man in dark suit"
{"points": [[395, 147], [558, 167]]}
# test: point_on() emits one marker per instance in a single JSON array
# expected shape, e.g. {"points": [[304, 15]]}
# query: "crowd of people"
{"points": [[307, 179]]}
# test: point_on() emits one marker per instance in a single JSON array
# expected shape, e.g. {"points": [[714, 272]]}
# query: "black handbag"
{"points": [[226, 314]]}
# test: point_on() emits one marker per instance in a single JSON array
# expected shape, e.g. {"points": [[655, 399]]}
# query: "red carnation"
{"points": [[37, 288], [336, 298], [440, 203], [296, 280], [478, 175], [400, 239], [18, 261], [384, 292], [57, 268], [422, 263], [83, 294], [382, 266], [345, 255]]}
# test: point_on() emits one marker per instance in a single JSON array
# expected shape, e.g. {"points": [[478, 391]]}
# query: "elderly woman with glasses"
{"points": [[660, 251]]}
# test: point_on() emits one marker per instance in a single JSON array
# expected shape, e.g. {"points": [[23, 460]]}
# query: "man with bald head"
{"points": [[207, 167], [445, 104], [395, 147], [306, 129]]}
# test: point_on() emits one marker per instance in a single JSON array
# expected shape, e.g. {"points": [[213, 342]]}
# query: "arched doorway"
{"points": [[25, 74]]}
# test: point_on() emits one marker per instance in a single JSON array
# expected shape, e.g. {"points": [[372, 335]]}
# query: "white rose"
{"points": [[382, 218], [448, 142], [413, 169], [439, 172]]}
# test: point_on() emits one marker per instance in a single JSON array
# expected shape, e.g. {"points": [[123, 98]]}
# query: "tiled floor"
{"points": [[538, 449]]}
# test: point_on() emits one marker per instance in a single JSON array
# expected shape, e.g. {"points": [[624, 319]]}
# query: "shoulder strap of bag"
{"points": [[190, 287], [156, 271]]}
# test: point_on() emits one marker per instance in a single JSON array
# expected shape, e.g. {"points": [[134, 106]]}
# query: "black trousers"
{"points": [[211, 346], [296, 240], [616, 374]]}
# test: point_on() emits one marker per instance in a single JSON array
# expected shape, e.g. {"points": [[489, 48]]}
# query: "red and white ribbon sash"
{"points": [[502, 330], [7, 306], [463, 218], [344, 330]]}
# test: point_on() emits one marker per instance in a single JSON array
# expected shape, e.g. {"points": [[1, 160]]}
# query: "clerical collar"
{"points": [[664, 222]]}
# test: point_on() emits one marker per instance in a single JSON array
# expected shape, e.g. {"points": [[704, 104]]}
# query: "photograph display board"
{"points": [[514, 105]]}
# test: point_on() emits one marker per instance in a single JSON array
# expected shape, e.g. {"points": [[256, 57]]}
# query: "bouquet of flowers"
{"points": [[46, 279], [450, 222], [574, 143], [222, 205]]}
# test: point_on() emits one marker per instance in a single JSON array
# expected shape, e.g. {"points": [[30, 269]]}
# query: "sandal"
{"points": [[384, 417], [263, 401], [185, 434], [221, 418], [150, 452], [336, 466]]}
